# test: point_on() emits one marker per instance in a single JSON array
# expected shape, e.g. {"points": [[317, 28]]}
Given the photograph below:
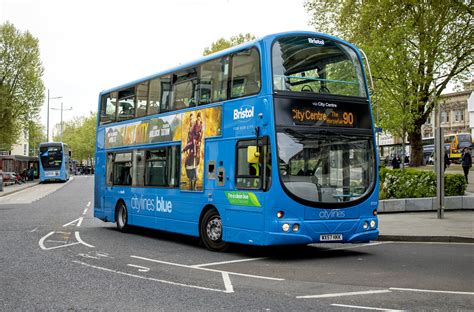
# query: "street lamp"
{"points": [[47, 115], [61, 124]]}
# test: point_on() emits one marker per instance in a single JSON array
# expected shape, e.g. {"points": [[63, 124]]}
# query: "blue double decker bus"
{"points": [[54, 161], [267, 143]]}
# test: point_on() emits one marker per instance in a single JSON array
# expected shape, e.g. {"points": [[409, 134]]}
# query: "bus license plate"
{"points": [[330, 237]]}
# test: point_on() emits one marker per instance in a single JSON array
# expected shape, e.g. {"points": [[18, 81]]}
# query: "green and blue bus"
{"points": [[54, 161], [267, 143]]}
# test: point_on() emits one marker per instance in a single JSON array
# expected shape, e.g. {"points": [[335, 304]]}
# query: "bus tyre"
{"points": [[121, 217], [211, 231]]}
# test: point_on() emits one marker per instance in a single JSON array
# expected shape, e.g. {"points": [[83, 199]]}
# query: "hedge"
{"points": [[412, 183]]}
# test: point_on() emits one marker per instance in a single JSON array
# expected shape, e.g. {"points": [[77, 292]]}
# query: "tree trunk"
{"points": [[416, 148]]}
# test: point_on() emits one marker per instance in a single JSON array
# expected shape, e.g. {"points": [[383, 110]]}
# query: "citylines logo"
{"points": [[158, 204], [329, 214]]}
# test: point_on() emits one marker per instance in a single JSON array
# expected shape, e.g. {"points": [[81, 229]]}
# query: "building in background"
{"points": [[457, 115], [17, 159]]}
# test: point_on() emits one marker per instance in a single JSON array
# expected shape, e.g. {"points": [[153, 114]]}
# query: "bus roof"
{"points": [[52, 144], [268, 38]]}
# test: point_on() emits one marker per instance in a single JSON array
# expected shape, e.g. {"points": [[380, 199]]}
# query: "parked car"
{"points": [[9, 178]]}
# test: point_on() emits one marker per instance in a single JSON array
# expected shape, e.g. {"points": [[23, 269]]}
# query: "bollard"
{"points": [[1, 181]]}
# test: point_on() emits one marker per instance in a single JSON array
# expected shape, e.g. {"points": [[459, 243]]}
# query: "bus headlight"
{"points": [[285, 227], [366, 225], [372, 224], [296, 227]]}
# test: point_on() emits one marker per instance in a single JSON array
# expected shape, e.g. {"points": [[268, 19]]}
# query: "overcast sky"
{"points": [[88, 46]]}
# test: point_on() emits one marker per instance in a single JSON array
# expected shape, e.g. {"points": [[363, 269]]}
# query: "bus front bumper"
{"points": [[299, 239]]}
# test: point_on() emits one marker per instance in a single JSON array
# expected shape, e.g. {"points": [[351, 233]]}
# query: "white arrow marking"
{"points": [[78, 220]]}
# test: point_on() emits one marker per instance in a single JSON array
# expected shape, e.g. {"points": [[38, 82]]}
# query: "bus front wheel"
{"points": [[121, 217], [211, 231]]}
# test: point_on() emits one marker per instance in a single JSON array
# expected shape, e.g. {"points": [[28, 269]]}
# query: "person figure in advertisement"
{"points": [[193, 149]]}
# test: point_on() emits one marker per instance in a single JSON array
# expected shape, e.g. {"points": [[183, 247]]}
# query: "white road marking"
{"points": [[61, 246], [434, 291], [103, 254], [87, 256], [139, 267], [148, 278], [85, 211], [210, 270], [36, 228], [55, 241], [78, 220], [88, 204], [226, 262], [364, 308], [43, 239], [81, 241], [228, 284], [355, 293]]}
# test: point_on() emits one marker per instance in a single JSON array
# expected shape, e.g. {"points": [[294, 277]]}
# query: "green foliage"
{"points": [[35, 137], [454, 184], [79, 134], [223, 43], [21, 86], [412, 183], [415, 49]]}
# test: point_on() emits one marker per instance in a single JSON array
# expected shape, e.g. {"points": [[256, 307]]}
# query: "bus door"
{"points": [[119, 180], [246, 199]]}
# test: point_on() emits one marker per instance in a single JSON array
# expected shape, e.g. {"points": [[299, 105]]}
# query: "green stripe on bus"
{"points": [[242, 199]]}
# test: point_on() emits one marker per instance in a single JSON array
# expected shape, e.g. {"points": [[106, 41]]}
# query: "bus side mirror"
{"points": [[252, 155]]}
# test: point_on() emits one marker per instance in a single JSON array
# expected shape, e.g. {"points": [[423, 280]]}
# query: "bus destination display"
{"points": [[290, 112]]}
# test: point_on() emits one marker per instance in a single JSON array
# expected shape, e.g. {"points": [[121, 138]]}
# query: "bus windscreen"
{"points": [[51, 157], [310, 64]]}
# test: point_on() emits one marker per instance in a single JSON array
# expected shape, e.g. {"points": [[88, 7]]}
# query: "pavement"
{"points": [[456, 226], [10, 189]]}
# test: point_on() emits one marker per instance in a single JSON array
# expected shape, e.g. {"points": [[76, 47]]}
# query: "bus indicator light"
{"points": [[280, 214]]}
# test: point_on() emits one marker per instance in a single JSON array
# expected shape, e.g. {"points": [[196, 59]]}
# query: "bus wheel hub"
{"points": [[214, 229]]}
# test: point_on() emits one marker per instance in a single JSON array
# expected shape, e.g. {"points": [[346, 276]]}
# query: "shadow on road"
{"points": [[277, 253]]}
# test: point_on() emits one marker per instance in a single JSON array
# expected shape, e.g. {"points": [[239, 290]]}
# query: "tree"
{"points": [[79, 134], [21, 87], [415, 47], [223, 43], [35, 136]]}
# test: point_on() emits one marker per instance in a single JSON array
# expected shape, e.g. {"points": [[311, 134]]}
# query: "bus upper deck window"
{"points": [[142, 99], [108, 108], [126, 107], [245, 73]]}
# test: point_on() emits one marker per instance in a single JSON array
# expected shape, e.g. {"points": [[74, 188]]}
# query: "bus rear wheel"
{"points": [[211, 231], [121, 217]]}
